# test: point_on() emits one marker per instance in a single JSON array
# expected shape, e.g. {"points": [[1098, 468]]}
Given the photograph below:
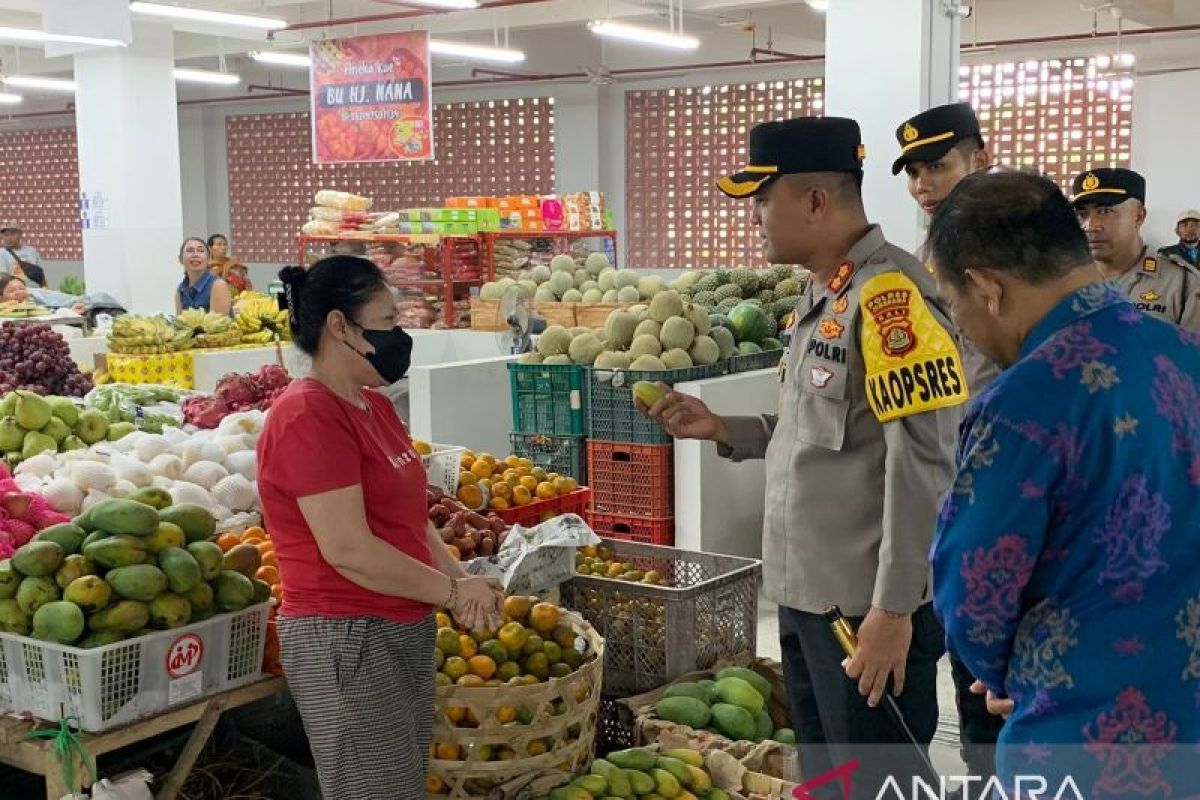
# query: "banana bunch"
{"points": [[138, 335], [260, 321], [227, 338]]}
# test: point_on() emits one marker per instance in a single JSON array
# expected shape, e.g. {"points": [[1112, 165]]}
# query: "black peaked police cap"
{"points": [[794, 147], [1107, 187], [931, 134]]}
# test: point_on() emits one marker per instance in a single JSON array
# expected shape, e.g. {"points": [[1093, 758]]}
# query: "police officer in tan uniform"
{"points": [[938, 148], [857, 457], [1111, 207]]}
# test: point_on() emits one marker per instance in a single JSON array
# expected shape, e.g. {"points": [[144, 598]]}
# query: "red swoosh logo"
{"points": [[844, 773]]}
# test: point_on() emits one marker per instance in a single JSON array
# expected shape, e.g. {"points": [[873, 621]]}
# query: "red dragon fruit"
{"points": [[204, 411], [238, 391]]}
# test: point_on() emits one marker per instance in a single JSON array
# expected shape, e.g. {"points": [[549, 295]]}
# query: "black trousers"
{"points": [[833, 723], [978, 730]]}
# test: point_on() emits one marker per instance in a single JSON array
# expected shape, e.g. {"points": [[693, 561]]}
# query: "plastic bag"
{"points": [[128, 786], [534, 560]]}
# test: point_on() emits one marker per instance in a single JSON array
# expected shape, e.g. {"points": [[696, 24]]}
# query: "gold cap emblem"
{"points": [[910, 133], [1091, 182]]}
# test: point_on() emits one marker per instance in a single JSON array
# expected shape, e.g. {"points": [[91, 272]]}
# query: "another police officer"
{"points": [[938, 148], [857, 457], [1111, 207]]}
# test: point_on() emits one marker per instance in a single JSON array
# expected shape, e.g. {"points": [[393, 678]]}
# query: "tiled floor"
{"points": [[944, 752]]}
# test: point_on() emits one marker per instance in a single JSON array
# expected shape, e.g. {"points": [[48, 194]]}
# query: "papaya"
{"points": [[170, 610], [734, 722], [200, 598], [764, 726], [124, 616], [58, 621], [142, 582], [94, 536], [35, 592], [262, 592], [635, 758], [10, 579], [738, 692], [167, 535], [73, 567], [152, 496], [209, 557], [116, 551], [119, 515], [693, 690], [761, 684], [181, 568], [683, 711], [38, 559], [196, 522], [13, 618], [90, 592], [243, 558], [100, 639], [68, 535], [233, 591], [692, 757]]}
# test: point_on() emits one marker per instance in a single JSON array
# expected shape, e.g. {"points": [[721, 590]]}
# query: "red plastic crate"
{"points": [[528, 516], [632, 529], [632, 479]]}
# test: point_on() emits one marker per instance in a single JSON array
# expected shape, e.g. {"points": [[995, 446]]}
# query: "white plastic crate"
{"points": [[442, 467], [119, 683]]}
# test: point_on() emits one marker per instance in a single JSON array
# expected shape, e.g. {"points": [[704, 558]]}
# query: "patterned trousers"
{"points": [[364, 687]]}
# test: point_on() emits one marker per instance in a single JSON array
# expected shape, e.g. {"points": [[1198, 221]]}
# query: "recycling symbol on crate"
{"points": [[185, 655]]}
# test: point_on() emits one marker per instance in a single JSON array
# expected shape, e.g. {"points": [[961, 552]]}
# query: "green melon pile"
{"points": [[734, 705]]}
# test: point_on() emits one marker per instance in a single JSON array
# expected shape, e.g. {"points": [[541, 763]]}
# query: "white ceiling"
{"points": [[553, 33]]}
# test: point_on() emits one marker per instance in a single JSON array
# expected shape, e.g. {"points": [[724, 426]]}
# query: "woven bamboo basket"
{"points": [[559, 731]]}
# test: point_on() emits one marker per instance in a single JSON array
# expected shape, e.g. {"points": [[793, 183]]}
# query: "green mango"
{"points": [[68, 535], [38, 559]]}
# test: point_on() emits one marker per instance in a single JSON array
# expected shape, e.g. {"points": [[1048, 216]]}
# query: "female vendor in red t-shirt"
{"points": [[343, 492]]}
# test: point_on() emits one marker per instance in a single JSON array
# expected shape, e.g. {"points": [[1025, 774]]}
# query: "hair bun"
{"points": [[294, 276]]}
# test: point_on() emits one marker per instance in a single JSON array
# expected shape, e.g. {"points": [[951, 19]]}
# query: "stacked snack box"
{"points": [[578, 211]]}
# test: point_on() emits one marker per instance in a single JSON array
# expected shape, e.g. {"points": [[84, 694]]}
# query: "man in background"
{"points": [[1110, 204], [938, 148], [20, 259], [1187, 228]]}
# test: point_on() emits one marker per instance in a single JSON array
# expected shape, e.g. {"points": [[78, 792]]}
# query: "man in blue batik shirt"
{"points": [[1067, 556]]}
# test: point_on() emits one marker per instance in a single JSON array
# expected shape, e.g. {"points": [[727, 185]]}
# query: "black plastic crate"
{"points": [[611, 414], [566, 455]]}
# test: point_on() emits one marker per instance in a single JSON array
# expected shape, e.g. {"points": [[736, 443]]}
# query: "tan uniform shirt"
{"points": [[851, 502], [1165, 288]]}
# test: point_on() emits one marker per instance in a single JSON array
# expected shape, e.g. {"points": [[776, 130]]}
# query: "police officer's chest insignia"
{"points": [[830, 328], [1150, 265], [1090, 182], [1149, 296], [911, 134], [840, 305], [821, 377], [891, 312], [841, 277]]}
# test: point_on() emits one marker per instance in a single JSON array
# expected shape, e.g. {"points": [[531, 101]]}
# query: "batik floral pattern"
{"points": [[1178, 400], [993, 578], [1130, 742], [1071, 349], [1133, 528], [1045, 636], [1187, 620]]}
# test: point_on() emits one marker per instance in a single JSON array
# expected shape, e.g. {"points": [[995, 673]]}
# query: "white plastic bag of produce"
{"points": [[129, 786], [534, 560]]}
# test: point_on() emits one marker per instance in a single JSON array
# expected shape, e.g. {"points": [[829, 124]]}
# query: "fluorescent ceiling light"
{"points": [[206, 76], [282, 59], [452, 4], [820, 6], [10, 99], [476, 52], [27, 35], [635, 33], [34, 82], [204, 15]]}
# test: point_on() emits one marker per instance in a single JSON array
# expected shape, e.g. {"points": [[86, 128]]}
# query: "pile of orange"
{"points": [[511, 483], [268, 572]]}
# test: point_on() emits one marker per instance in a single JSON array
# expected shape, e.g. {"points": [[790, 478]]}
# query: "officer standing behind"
{"points": [[1110, 204], [857, 458], [1187, 228], [938, 148]]}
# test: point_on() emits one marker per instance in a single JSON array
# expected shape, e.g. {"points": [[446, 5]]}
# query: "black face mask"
{"points": [[393, 351]]}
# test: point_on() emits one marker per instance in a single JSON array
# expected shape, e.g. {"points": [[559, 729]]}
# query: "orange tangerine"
{"points": [[525, 463], [545, 491], [269, 559], [446, 751], [517, 607], [482, 666], [277, 592], [506, 714], [471, 681], [443, 620], [466, 459], [564, 485], [482, 469], [470, 496], [454, 552], [513, 636], [529, 482], [254, 530], [499, 504], [268, 575], [228, 541], [467, 647], [435, 785], [456, 714], [467, 478], [513, 461], [455, 667], [521, 496], [501, 489]]}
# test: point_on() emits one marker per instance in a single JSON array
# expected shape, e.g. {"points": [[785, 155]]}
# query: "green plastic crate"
{"points": [[566, 455], [611, 414], [547, 399]]}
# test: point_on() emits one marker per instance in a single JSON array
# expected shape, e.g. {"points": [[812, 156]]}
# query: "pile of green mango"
{"points": [[645, 774], [31, 424], [123, 568], [734, 705]]}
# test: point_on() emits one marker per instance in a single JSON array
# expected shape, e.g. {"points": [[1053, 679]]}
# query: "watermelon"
{"points": [[749, 323]]}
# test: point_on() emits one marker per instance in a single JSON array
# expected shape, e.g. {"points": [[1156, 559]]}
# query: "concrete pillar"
{"points": [[884, 62], [128, 133]]}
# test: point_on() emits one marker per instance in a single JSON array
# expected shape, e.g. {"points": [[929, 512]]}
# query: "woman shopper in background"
{"points": [[226, 267], [199, 288], [343, 492]]}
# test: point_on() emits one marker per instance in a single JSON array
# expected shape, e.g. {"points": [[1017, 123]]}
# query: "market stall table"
{"points": [[37, 755], [209, 366], [84, 350]]}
